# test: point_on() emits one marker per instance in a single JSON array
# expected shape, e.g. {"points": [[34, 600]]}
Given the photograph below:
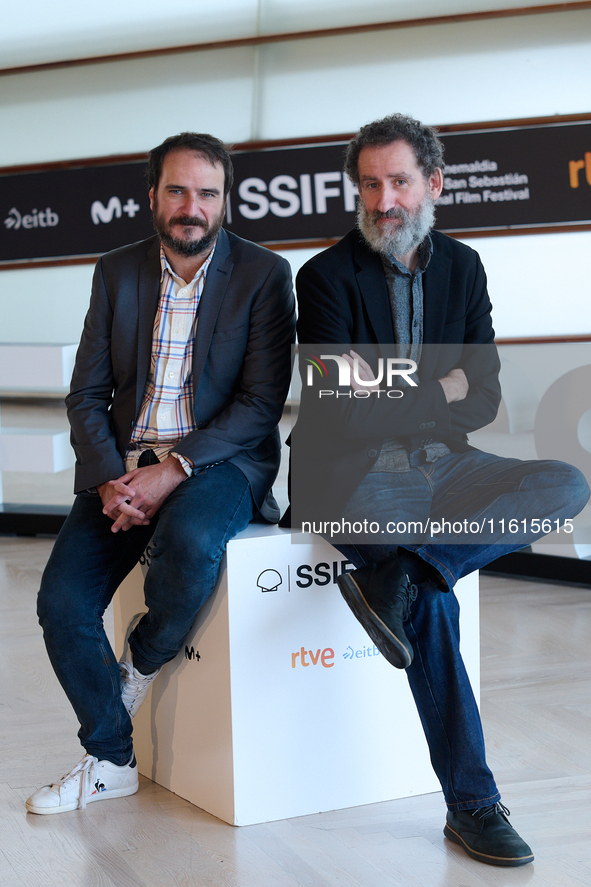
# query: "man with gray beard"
{"points": [[395, 285]]}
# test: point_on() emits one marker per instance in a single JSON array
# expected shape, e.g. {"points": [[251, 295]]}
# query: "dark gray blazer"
{"points": [[241, 362], [343, 301]]}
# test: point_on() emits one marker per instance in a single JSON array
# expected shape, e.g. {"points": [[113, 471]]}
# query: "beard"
{"points": [[186, 246], [412, 230]]}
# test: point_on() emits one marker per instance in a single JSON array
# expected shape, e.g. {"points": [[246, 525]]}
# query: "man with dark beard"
{"points": [[180, 379], [395, 286]]}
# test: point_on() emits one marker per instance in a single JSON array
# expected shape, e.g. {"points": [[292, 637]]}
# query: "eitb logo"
{"points": [[46, 218]]}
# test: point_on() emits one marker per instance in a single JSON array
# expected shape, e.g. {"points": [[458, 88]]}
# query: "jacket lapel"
{"points": [[148, 298], [436, 286], [218, 278], [374, 292]]}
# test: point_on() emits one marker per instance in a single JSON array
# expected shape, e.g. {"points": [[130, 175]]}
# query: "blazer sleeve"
{"points": [[479, 360], [91, 395]]}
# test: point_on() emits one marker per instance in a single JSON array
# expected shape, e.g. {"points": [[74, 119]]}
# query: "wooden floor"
{"points": [[536, 670]]}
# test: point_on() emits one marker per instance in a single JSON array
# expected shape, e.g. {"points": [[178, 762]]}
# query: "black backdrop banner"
{"points": [[526, 176]]}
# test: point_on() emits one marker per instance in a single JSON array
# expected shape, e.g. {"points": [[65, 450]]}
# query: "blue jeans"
{"points": [[89, 562], [471, 486]]}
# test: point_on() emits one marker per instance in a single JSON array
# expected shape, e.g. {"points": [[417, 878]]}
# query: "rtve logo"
{"points": [[324, 656], [575, 167], [100, 213], [35, 219]]}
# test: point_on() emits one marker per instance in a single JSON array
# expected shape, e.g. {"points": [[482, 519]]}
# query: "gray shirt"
{"points": [[405, 291]]}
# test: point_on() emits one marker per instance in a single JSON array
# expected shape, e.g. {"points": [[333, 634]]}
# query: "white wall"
{"points": [[44, 305], [34, 31], [506, 68], [538, 283]]}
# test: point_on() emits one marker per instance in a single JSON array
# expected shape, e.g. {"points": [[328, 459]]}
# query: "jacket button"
{"points": [[422, 426], [372, 453]]}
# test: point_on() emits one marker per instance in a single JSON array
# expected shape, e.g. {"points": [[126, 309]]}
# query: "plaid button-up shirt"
{"points": [[166, 414]]}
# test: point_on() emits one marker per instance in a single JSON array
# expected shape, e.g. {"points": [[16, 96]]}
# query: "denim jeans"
{"points": [[478, 487], [88, 563]]}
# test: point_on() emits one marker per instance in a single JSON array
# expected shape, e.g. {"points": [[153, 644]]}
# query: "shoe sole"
{"points": [[385, 640], [99, 796], [506, 861], [134, 706]]}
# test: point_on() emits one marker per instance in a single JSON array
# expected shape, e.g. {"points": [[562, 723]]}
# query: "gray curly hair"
{"points": [[422, 139]]}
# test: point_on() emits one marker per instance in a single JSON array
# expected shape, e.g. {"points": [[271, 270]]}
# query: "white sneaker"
{"points": [[90, 780], [134, 686]]}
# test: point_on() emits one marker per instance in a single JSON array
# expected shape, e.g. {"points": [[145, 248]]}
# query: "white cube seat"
{"points": [[279, 705]]}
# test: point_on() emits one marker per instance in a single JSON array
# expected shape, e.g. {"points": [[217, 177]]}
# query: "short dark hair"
{"points": [[422, 139], [201, 143]]}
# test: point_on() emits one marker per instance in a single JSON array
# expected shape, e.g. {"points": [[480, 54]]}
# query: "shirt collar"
{"points": [[425, 253], [165, 267]]}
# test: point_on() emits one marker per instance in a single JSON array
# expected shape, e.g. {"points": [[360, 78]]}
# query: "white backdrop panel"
{"points": [[490, 70]]}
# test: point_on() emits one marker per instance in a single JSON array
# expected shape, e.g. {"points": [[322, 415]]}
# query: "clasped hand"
{"points": [[132, 499]]}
